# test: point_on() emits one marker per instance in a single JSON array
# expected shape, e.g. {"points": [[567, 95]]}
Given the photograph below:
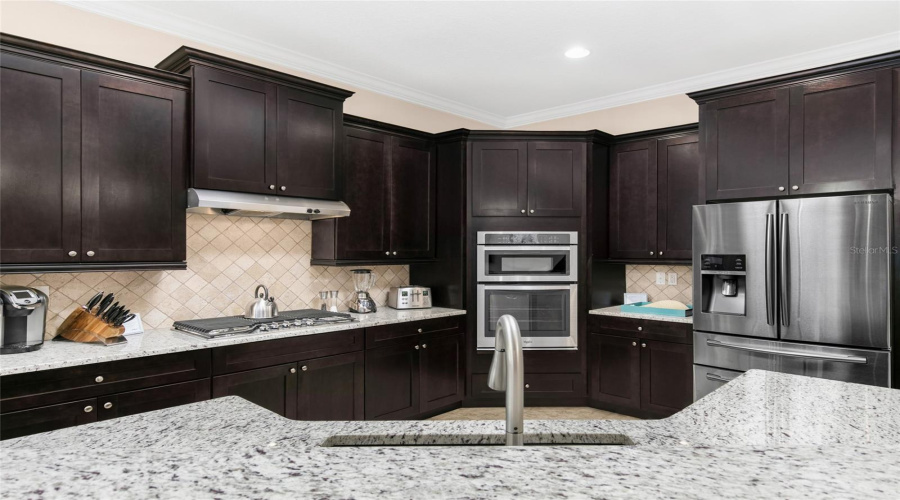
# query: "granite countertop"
{"points": [[62, 353], [615, 311], [763, 435]]}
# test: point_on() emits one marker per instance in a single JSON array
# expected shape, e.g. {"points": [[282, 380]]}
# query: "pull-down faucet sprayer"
{"points": [[508, 374]]}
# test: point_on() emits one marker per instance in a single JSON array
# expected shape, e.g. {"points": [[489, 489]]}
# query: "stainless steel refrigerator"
{"points": [[798, 286]]}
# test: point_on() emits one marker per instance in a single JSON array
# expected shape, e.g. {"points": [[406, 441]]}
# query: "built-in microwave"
{"points": [[547, 314], [512, 257]]}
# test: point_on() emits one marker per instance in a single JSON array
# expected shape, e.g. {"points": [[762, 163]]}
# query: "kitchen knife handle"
{"points": [[783, 276], [770, 269]]}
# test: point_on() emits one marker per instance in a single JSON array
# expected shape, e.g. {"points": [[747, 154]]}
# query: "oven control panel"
{"points": [[527, 238]]}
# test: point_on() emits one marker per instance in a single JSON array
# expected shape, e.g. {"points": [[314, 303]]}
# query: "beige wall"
{"points": [[70, 27]]}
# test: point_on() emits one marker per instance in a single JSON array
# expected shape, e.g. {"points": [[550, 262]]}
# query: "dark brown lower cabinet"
{"points": [[331, 388], [392, 381], [273, 387], [647, 378], [47, 418], [666, 376], [442, 375], [615, 370], [155, 398]]}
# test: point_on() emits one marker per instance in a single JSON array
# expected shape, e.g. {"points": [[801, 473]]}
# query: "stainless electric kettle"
{"points": [[263, 307]]}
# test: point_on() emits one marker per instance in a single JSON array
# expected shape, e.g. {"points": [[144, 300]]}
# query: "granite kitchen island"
{"points": [[762, 435]]}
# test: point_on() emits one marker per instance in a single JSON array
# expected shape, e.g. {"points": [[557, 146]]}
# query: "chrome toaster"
{"points": [[409, 297]]}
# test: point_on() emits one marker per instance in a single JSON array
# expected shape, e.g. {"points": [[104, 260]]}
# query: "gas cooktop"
{"points": [[238, 325]]}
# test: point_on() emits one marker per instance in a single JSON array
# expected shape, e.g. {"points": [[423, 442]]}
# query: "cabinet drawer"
{"points": [[539, 385], [155, 398], [47, 418], [241, 357], [380, 336], [617, 326], [668, 331], [29, 390]]}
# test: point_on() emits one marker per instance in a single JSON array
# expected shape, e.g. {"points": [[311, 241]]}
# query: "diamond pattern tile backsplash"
{"points": [[227, 257], [642, 279]]}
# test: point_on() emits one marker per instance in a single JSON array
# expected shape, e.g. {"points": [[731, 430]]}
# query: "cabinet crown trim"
{"points": [[84, 60], [886, 60], [659, 133], [382, 127], [185, 57]]}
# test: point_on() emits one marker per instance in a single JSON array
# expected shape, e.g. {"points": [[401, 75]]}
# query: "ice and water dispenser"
{"points": [[723, 284]]}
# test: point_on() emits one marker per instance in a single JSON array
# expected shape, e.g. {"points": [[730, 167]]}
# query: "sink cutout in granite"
{"points": [[351, 440]]}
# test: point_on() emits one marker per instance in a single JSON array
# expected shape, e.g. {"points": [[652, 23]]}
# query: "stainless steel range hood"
{"points": [[207, 201]]}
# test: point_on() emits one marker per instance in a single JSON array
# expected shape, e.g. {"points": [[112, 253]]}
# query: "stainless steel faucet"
{"points": [[508, 374]]}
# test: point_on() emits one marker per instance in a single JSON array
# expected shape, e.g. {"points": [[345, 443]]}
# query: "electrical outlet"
{"points": [[660, 278], [673, 278]]}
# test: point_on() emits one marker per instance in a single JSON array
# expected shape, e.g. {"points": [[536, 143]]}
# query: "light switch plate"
{"points": [[660, 278], [673, 278]]}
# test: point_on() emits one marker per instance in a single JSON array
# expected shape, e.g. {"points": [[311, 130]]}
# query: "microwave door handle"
{"points": [[770, 268], [783, 276]]}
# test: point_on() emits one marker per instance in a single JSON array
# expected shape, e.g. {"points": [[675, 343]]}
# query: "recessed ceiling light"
{"points": [[577, 52]]}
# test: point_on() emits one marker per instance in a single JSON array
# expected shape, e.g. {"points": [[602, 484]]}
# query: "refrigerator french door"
{"points": [[803, 285]]}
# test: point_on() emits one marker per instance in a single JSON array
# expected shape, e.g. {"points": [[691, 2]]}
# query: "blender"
{"points": [[362, 302]]}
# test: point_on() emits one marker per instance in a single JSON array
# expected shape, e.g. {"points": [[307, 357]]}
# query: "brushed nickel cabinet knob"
{"points": [[88, 409], [781, 188], [640, 328], [304, 368], [660, 253], [419, 330], [387, 253], [532, 210], [527, 386], [651, 253], [90, 253], [283, 188], [99, 379], [73, 253], [643, 344], [523, 210], [424, 346], [293, 370], [272, 187], [417, 347], [795, 187], [107, 405], [395, 253], [634, 344]]}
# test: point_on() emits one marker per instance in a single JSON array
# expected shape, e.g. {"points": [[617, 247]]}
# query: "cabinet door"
{"points": [[841, 134], [746, 146], [614, 367], [331, 388], [556, 178], [309, 145], [412, 198], [40, 161], [678, 190], [499, 178], [273, 388], [47, 418], [133, 170], [234, 132], [155, 398], [666, 376], [365, 234], [392, 381], [633, 201], [442, 372]]}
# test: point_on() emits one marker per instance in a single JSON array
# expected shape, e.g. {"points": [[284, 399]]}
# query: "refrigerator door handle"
{"points": [[783, 276], [786, 352], [770, 269]]}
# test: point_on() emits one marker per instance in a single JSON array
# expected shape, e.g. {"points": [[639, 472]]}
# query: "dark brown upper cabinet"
{"points": [[654, 183], [92, 149], [261, 131], [390, 187], [539, 178], [820, 131]]}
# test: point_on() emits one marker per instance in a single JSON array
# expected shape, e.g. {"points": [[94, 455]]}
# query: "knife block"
{"points": [[82, 326]]}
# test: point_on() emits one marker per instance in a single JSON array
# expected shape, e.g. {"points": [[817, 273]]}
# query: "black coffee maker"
{"points": [[23, 320]]}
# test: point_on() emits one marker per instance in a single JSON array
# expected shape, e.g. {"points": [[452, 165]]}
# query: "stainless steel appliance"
{"points": [[213, 328], [508, 256], [362, 302], [24, 316], [211, 202], [533, 277], [797, 286], [409, 297]]}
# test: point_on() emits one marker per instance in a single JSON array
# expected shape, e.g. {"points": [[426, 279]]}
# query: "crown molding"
{"points": [[151, 17]]}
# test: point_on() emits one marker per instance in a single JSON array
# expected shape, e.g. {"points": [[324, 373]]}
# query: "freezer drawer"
{"points": [[861, 366], [708, 379]]}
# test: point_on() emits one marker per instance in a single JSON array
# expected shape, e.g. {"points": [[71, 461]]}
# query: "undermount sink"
{"points": [[362, 440]]}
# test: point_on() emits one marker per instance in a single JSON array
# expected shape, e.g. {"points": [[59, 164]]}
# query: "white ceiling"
{"points": [[502, 62]]}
